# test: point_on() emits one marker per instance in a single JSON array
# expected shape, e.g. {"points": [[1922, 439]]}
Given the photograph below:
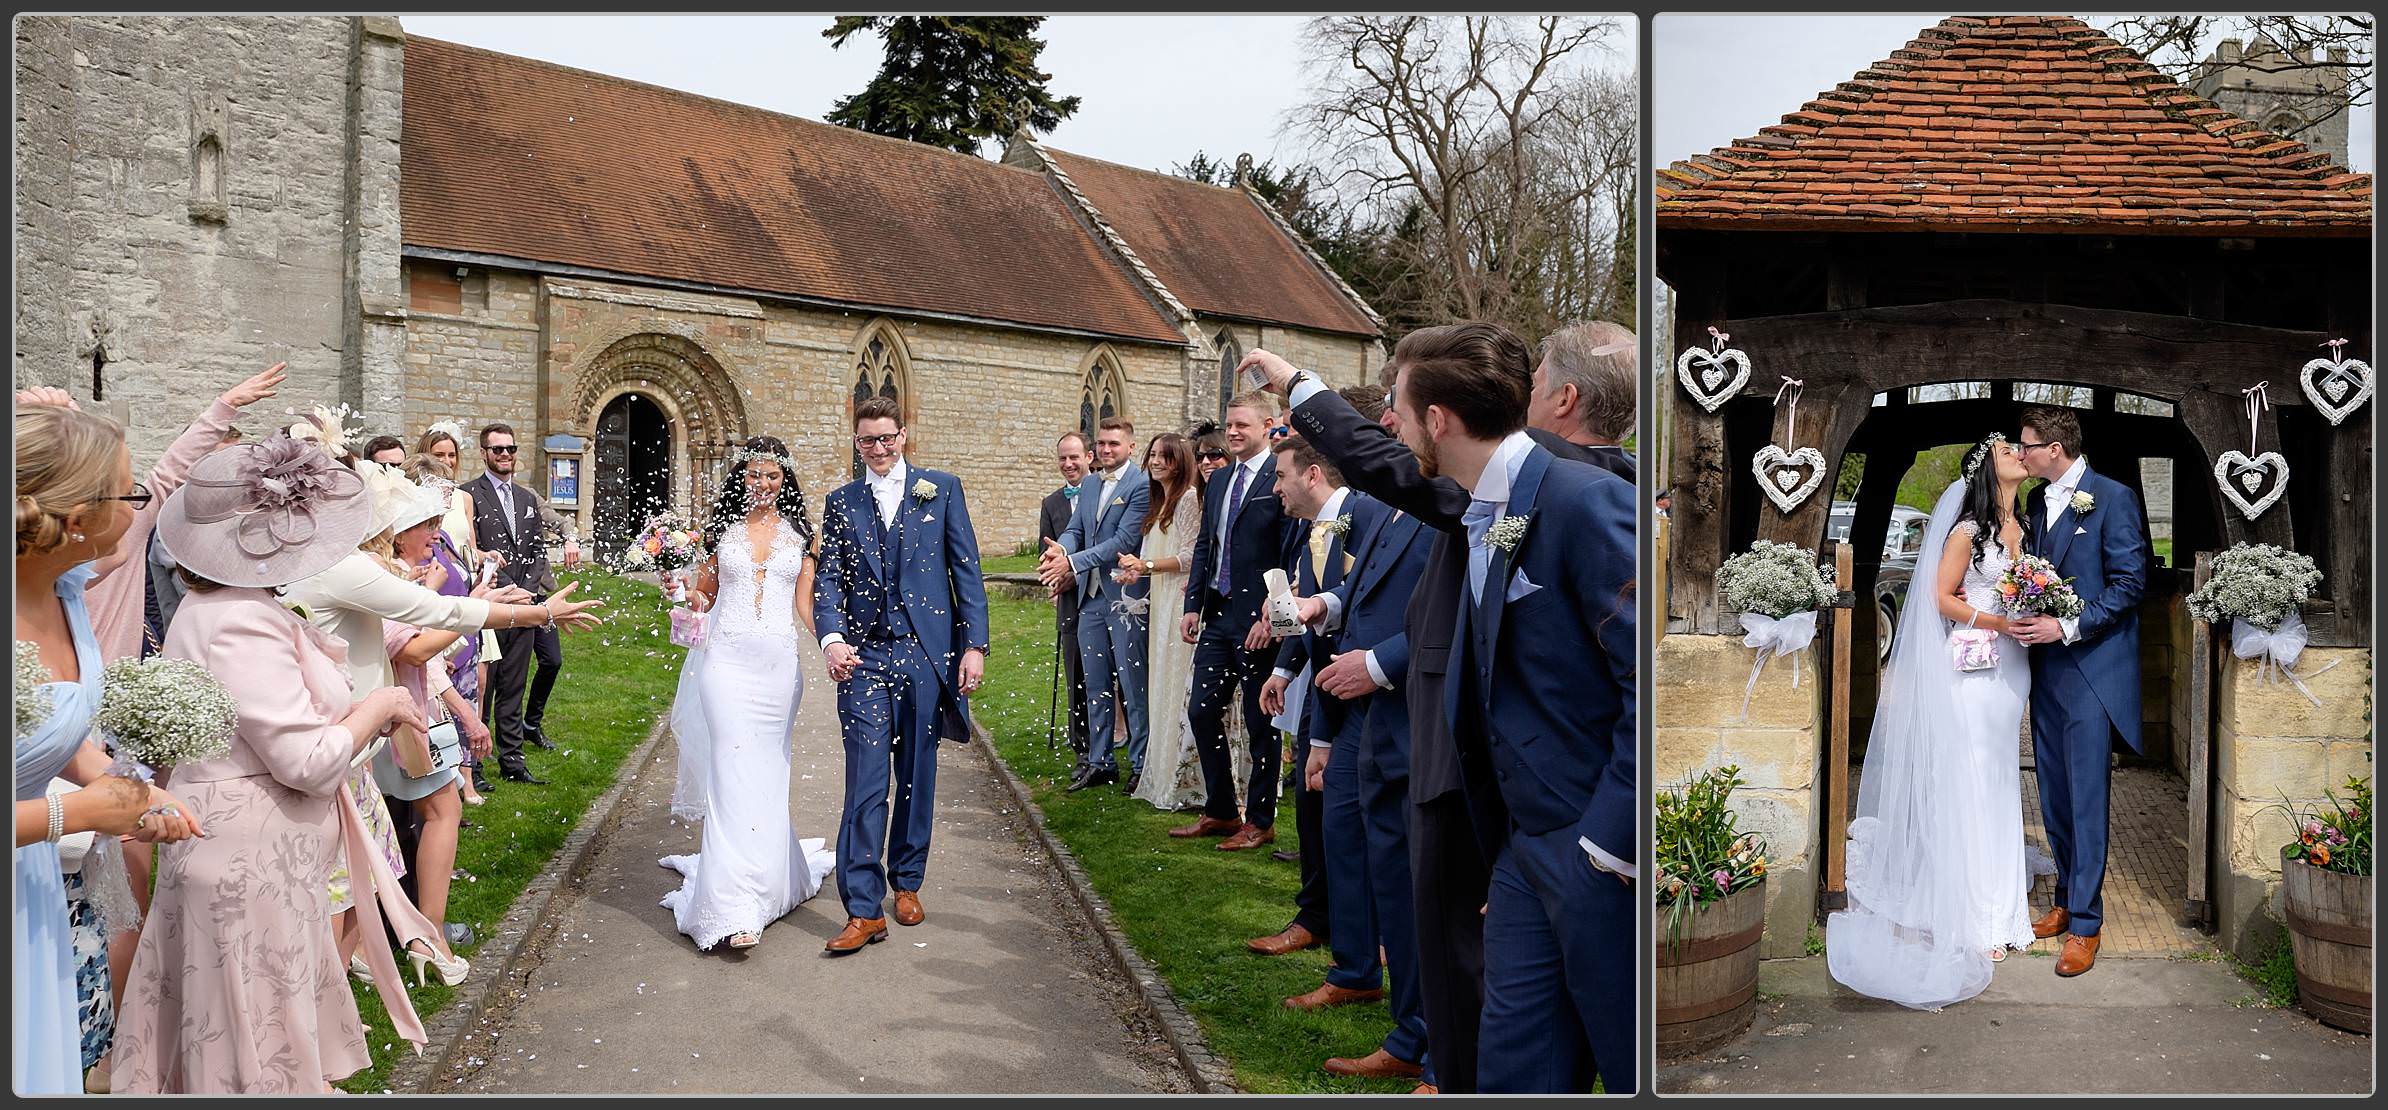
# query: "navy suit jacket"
{"points": [[1098, 533], [1375, 598], [2105, 553], [937, 579], [1310, 648], [1260, 537], [1554, 667]]}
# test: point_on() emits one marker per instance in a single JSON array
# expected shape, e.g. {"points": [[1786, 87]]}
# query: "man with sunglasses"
{"points": [[516, 523]]}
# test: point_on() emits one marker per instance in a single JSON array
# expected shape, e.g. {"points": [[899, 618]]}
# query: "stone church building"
{"points": [[632, 276]]}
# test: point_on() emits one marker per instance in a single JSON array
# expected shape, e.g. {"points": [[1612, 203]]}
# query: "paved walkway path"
{"points": [[998, 991], [2129, 1026]]}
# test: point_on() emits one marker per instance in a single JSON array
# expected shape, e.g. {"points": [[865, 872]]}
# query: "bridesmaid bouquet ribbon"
{"points": [[2276, 652], [1774, 636]]}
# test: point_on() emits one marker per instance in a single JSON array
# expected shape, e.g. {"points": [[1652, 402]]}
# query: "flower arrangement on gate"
{"points": [[31, 696], [2033, 588], [2335, 837], [1703, 856], [159, 712], [1777, 588], [2257, 587]]}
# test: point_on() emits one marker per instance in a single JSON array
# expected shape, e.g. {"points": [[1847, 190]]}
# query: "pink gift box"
{"points": [[688, 627]]}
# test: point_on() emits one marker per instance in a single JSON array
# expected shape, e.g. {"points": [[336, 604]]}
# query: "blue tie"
{"points": [[1235, 500], [1479, 520]]}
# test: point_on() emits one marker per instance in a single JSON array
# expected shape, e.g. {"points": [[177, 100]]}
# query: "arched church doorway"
{"points": [[634, 469]]}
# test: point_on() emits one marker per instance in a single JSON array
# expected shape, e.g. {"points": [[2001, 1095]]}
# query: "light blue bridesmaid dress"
{"points": [[48, 1035]]}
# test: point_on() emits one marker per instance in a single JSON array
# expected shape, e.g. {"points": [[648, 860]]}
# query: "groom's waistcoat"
{"points": [[2105, 554]]}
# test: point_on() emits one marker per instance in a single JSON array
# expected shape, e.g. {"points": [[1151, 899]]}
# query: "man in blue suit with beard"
{"points": [[1110, 622]]}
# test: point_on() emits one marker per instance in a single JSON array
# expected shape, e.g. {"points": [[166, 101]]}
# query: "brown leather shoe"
{"points": [[1426, 1089], [1328, 994], [1208, 826], [1293, 939], [1379, 1064], [2051, 923], [1251, 836], [2079, 955], [859, 931], [908, 911]]}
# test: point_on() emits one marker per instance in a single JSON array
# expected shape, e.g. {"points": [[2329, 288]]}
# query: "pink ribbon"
{"points": [[1716, 340]]}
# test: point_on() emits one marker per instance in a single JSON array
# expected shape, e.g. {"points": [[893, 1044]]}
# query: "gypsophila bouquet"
{"points": [[2337, 838], [1702, 854], [158, 712], [32, 696], [1774, 580], [2033, 588], [2257, 583], [669, 542]]}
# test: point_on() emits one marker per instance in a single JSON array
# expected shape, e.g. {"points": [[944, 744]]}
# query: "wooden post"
{"points": [[1660, 571], [1836, 770], [2199, 907]]}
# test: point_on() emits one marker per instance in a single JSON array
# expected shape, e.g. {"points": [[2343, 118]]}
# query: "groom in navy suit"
{"points": [[902, 612], [2084, 670]]}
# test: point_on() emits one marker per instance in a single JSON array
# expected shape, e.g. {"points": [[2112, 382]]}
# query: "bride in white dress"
{"points": [[1937, 876], [736, 710]]}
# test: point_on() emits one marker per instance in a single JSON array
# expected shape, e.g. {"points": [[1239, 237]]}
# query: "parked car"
{"points": [[1901, 543]]}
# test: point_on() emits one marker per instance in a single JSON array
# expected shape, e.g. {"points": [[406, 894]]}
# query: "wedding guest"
{"points": [[244, 994], [1172, 776], [442, 442], [1561, 893], [467, 659], [99, 905], [416, 659], [386, 450], [1210, 449], [1111, 625], [1312, 492], [1584, 391], [165, 587], [514, 522], [75, 503], [1071, 457], [1244, 533]]}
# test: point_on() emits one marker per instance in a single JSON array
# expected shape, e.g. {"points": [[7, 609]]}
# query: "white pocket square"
{"points": [[1520, 587], [2081, 531]]}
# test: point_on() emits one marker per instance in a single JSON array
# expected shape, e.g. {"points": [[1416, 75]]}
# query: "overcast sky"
{"points": [[1718, 78]]}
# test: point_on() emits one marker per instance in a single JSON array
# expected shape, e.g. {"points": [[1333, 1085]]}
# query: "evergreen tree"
{"points": [[951, 81]]}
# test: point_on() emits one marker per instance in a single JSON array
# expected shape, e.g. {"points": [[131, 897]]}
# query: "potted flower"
{"points": [[2326, 896], [1712, 898]]}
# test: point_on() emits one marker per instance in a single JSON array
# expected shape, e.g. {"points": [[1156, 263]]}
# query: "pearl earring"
{"points": [[75, 536]]}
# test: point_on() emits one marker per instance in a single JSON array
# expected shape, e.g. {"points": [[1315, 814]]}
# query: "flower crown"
{"points": [[1973, 462], [744, 455]]}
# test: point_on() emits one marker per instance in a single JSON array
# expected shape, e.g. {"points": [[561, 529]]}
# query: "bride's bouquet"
{"points": [[158, 712], [2257, 587], [1777, 588], [2033, 588], [669, 544]]}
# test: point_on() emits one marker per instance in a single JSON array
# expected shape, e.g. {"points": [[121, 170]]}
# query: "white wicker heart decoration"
{"points": [[1778, 474], [2233, 469], [1719, 376], [2346, 384]]}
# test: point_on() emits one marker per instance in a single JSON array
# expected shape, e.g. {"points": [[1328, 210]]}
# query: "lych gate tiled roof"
{"points": [[523, 159], [1214, 247], [2015, 123]]}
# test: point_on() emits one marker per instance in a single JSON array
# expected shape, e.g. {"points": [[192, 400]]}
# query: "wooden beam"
{"points": [[2198, 909], [1836, 759], [1697, 476]]}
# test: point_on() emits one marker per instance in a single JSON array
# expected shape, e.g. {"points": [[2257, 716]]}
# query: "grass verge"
{"points": [[2275, 974], [1187, 907], [617, 680]]}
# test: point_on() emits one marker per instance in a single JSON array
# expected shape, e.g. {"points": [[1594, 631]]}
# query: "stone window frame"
{"points": [[1101, 376], [211, 161], [1231, 352], [884, 372]]}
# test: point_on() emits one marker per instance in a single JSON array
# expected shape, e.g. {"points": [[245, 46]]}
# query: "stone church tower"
{"points": [[2286, 93]]}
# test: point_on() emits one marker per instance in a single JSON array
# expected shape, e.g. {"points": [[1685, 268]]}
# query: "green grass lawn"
{"points": [[1187, 907], [617, 680], [1007, 564]]}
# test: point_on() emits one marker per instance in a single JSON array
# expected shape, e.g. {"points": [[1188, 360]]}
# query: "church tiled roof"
{"points": [[523, 159], [1215, 248], [2015, 123]]}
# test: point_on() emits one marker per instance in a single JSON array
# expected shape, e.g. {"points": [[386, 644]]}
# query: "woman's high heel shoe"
{"points": [[359, 968], [452, 969]]}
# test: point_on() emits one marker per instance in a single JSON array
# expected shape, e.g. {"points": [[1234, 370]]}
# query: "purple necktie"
{"points": [[1235, 500]]}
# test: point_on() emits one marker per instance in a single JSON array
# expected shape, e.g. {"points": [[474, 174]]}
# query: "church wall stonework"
{"points": [[187, 189]]}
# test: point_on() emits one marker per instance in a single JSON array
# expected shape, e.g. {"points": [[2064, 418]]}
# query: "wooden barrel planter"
{"points": [[2329, 921], [1708, 976]]}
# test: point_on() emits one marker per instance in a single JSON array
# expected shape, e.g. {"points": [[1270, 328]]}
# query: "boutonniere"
{"points": [[1507, 532], [923, 490], [1340, 526], [2083, 503]]}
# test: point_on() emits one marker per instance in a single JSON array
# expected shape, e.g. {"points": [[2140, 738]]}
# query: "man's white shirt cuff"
{"points": [[2072, 629], [1284, 674], [1304, 388], [832, 638], [1322, 743], [1334, 618], [1375, 673], [1603, 860]]}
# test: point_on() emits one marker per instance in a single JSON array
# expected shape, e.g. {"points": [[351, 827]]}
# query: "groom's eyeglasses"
{"points": [[2034, 446], [886, 440]]}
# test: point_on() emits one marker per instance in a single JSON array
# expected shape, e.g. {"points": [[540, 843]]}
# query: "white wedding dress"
{"points": [[733, 718], [1937, 872]]}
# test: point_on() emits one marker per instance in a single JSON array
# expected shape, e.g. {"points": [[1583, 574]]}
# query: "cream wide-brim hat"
{"points": [[265, 514]]}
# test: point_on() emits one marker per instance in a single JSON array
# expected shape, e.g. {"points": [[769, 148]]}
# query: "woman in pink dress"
{"points": [[236, 987]]}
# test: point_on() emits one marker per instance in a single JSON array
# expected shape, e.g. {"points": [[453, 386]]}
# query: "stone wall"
{"points": [[200, 198], [2271, 745], [1695, 698]]}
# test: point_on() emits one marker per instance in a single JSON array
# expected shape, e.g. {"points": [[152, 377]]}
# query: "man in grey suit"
{"points": [[1053, 517], [516, 523], [1111, 627]]}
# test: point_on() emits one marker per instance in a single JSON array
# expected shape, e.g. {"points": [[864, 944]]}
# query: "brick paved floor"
{"points": [[2147, 863]]}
